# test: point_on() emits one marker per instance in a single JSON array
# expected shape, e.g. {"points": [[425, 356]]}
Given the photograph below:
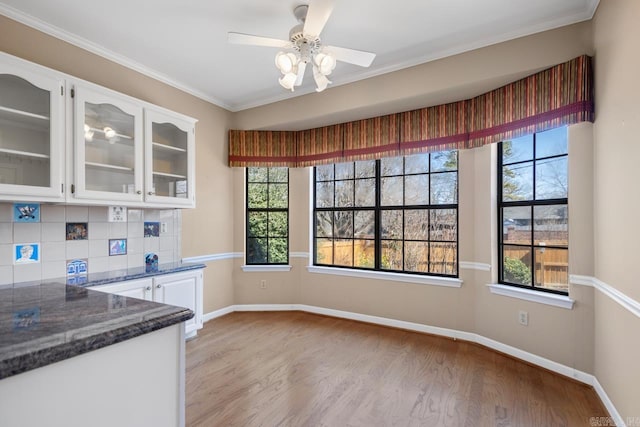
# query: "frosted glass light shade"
{"points": [[286, 62], [325, 63], [288, 81]]}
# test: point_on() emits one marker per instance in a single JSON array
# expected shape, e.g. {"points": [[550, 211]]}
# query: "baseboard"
{"points": [[212, 315], [613, 412], [435, 330]]}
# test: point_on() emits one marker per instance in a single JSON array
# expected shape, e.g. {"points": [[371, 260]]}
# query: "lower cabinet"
{"points": [[182, 289]]}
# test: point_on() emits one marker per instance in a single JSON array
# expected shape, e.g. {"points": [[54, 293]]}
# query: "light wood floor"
{"points": [[301, 369]]}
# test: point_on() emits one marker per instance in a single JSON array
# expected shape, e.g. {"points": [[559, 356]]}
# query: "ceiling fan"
{"points": [[304, 47]]}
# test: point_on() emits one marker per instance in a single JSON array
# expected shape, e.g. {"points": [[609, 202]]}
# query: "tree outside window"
{"points": [[267, 215]]}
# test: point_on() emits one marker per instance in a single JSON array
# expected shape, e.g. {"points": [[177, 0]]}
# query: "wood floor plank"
{"points": [[300, 369]]}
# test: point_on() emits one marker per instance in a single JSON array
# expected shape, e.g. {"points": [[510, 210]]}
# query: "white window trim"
{"points": [[451, 282], [562, 301], [266, 268]]}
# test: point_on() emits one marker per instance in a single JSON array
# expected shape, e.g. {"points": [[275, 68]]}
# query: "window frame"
{"points": [[532, 204], [267, 210], [378, 208]]}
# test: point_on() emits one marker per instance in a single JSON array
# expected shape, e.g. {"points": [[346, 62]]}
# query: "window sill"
{"points": [[265, 268], [383, 275], [561, 301]]}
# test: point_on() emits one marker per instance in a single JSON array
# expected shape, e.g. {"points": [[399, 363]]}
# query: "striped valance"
{"points": [[560, 95]]}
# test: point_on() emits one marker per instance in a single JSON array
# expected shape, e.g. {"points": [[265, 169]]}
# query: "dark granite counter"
{"points": [[107, 277], [49, 321]]}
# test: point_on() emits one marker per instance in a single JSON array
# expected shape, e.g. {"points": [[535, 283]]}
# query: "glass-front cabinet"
{"points": [[31, 133], [169, 159], [108, 149]]}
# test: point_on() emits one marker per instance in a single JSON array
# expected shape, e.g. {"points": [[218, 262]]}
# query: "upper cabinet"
{"points": [[31, 133], [169, 159], [66, 140], [108, 147]]}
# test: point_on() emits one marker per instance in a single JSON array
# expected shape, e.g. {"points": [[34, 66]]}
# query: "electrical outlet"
{"points": [[523, 317], [163, 227], [263, 284]]}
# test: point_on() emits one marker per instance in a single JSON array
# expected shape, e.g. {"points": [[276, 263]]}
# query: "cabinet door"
{"points": [[107, 147], [141, 289], [169, 160], [31, 132], [182, 290]]}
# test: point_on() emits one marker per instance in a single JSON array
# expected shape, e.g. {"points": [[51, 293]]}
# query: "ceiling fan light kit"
{"points": [[304, 47]]}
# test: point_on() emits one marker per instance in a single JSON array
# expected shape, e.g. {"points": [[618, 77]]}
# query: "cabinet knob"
{"points": [[148, 288], [139, 192], [151, 193], [158, 286]]}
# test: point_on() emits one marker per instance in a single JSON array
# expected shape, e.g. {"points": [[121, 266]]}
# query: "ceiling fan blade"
{"points": [[352, 56], [301, 67], [240, 38], [317, 16]]}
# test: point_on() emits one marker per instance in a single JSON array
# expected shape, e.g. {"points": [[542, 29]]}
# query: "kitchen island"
{"points": [[72, 356]]}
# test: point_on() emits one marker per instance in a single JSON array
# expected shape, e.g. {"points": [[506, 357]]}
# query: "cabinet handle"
{"points": [[151, 193], [139, 192], [148, 288], [158, 286]]}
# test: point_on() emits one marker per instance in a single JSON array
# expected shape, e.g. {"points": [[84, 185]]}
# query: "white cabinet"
{"points": [[63, 139], [183, 289], [108, 147], [31, 132], [169, 159]]}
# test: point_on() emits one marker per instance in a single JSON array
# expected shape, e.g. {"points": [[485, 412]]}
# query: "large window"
{"points": [[396, 214], [267, 216], [533, 212]]}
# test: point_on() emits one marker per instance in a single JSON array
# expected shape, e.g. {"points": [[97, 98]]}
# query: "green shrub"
{"points": [[516, 271]]}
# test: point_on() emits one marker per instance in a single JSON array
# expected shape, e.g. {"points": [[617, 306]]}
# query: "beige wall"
{"points": [[597, 336], [205, 228], [617, 202], [564, 336]]}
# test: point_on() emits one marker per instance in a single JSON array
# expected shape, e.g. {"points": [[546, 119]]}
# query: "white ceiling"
{"points": [[184, 43]]}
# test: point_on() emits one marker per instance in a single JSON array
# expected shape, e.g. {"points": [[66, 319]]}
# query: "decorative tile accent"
{"points": [[26, 212], [117, 247], [151, 262], [117, 214], [151, 229], [77, 267], [26, 253], [77, 231]]}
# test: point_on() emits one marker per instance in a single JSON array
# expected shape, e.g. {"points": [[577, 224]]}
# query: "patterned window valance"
{"points": [[560, 95]]}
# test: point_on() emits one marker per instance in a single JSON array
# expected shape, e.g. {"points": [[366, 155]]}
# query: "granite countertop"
{"points": [[49, 321], [95, 279]]}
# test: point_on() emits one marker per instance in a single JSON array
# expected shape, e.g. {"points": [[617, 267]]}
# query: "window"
{"points": [[533, 211], [267, 216], [397, 214]]}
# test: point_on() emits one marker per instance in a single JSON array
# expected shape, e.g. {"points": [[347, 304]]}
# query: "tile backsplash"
{"points": [[55, 250]]}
